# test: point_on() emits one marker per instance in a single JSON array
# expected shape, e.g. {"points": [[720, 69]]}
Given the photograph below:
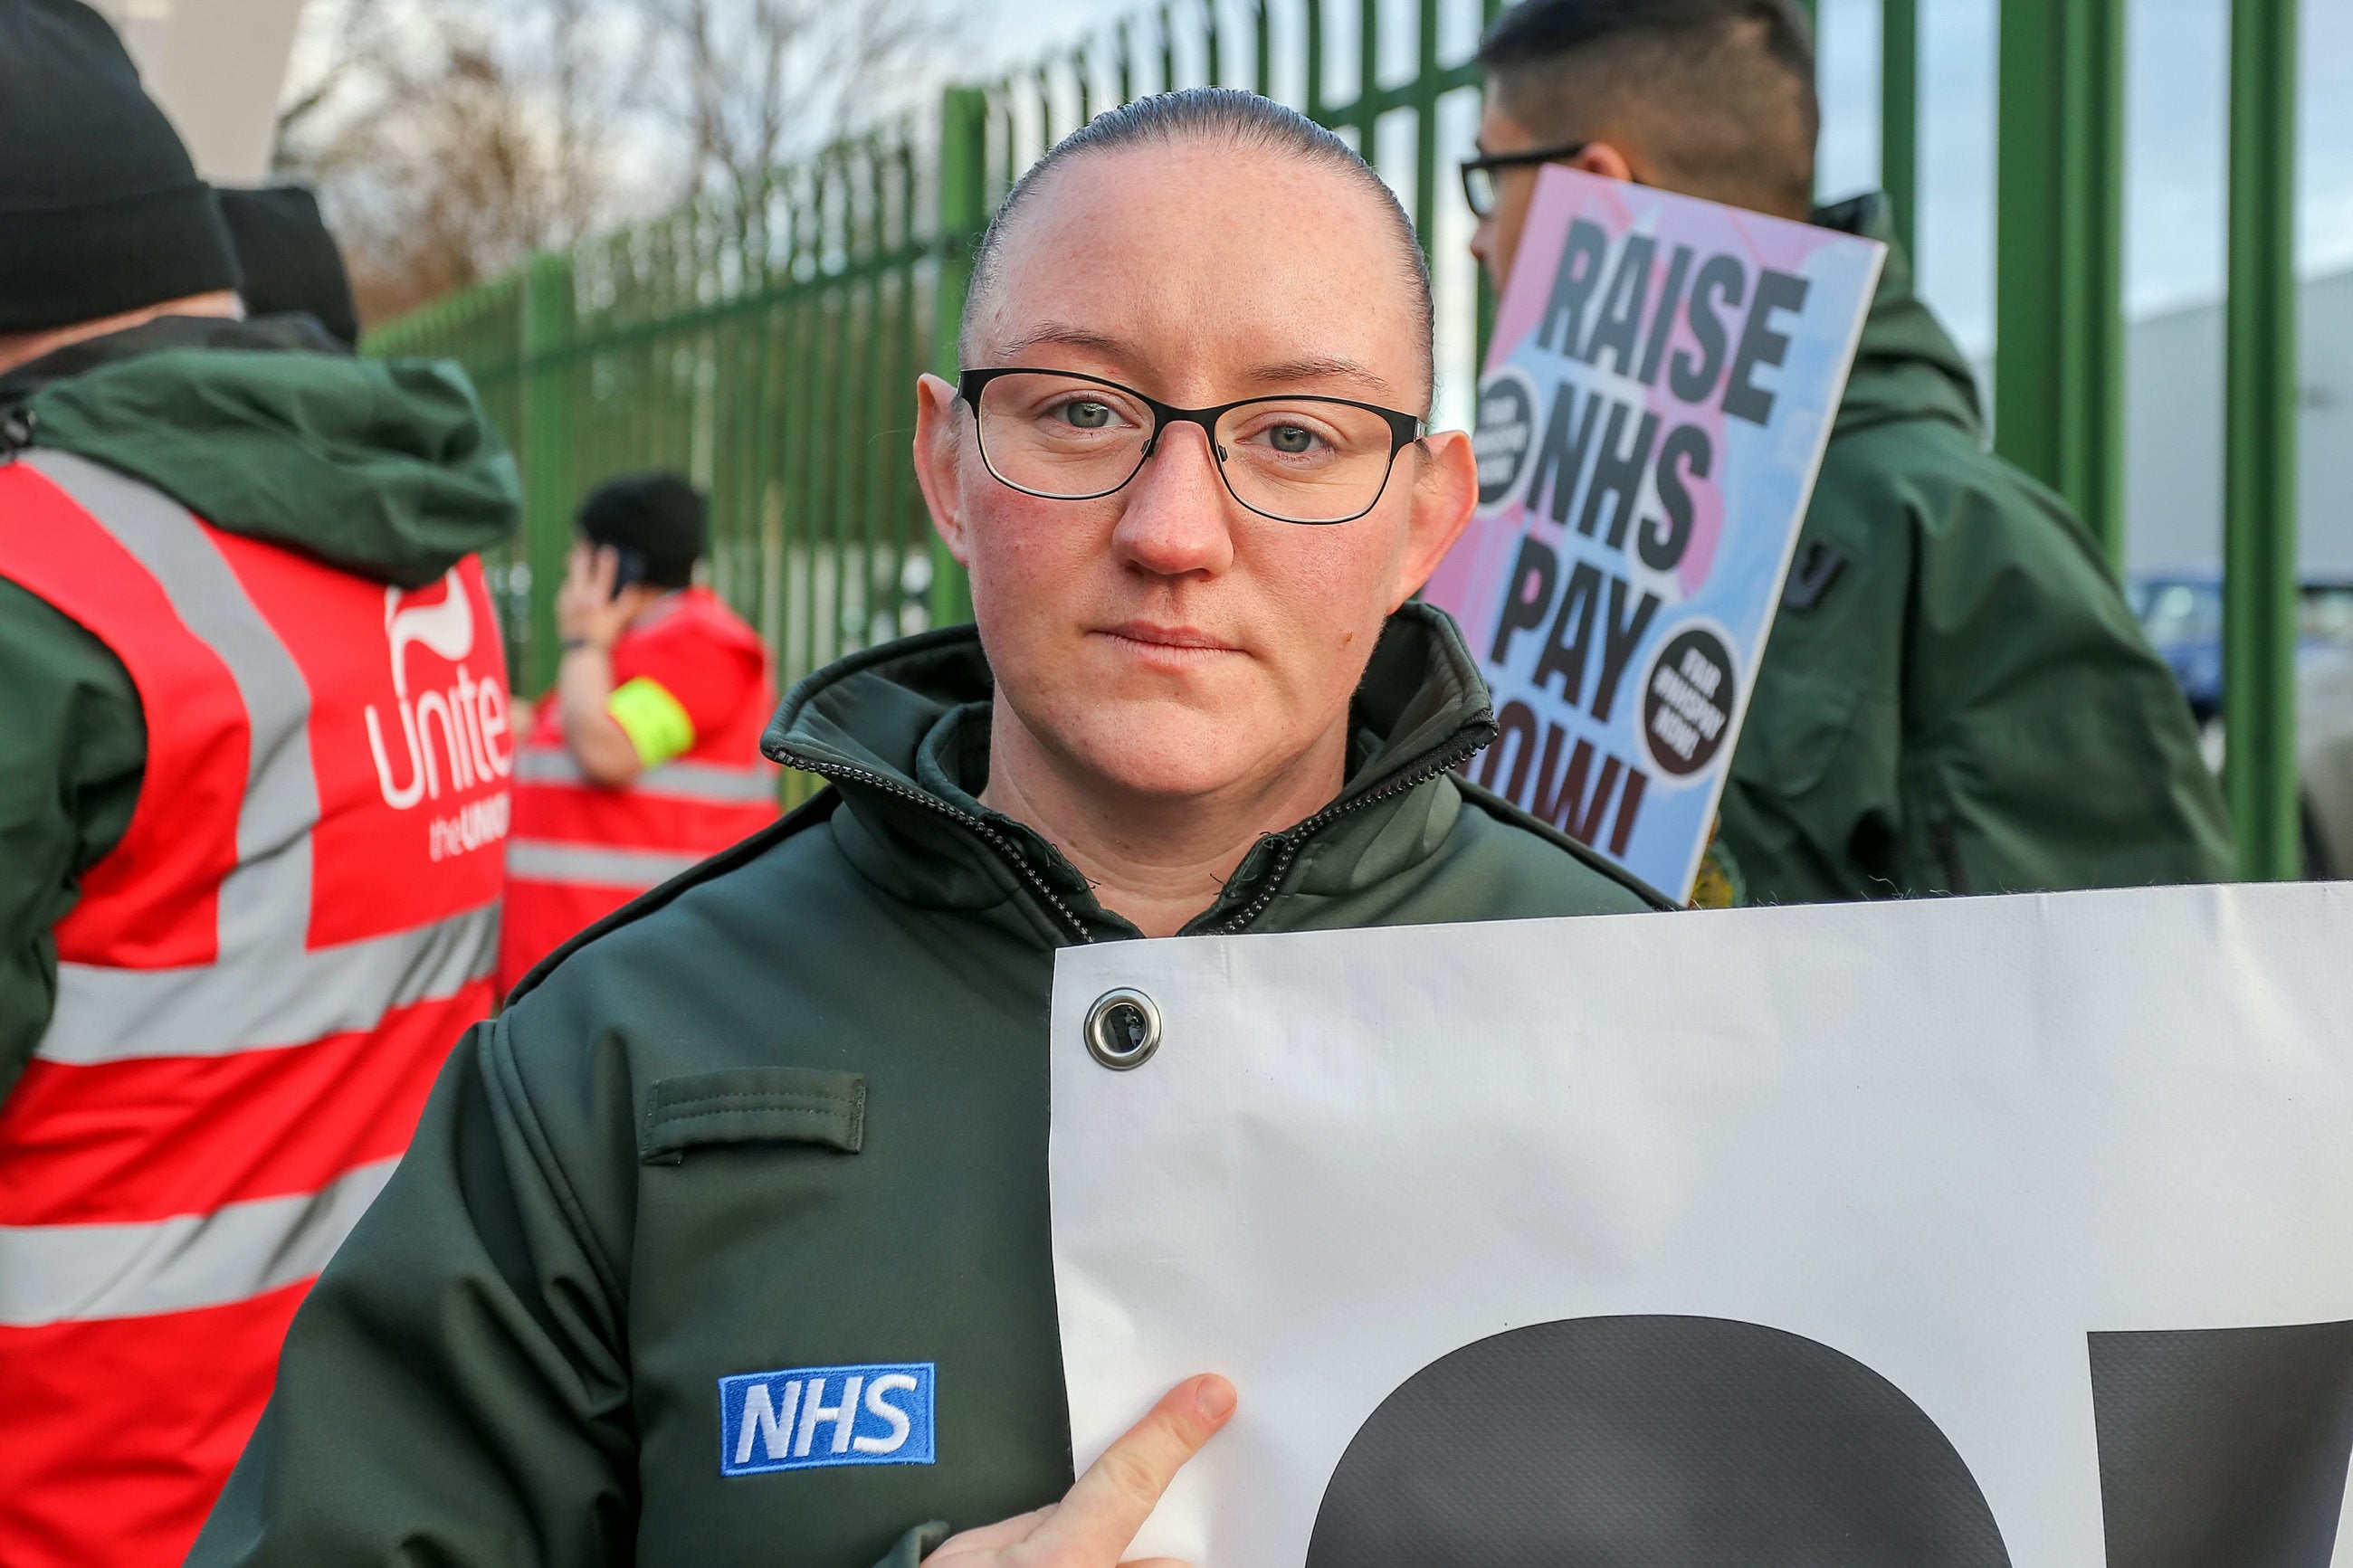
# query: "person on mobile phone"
{"points": [[645, 757]]}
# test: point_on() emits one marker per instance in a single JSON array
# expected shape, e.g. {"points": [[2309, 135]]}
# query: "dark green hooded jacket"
{"points": [[1955, 698], [269, 430], [790, 1112]]}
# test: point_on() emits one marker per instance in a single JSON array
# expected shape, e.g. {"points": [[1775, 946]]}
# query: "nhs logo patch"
{"points": [[816, 1416]]}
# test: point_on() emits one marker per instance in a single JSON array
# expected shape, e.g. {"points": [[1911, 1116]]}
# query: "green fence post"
{"points": [[962, 216], [1899, 117], [2058, 320], [547, 331], [2259, 507]]}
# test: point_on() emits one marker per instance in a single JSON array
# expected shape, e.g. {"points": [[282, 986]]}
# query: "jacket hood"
{"points": [[388, 468], [902, 731], [1908, 366]]}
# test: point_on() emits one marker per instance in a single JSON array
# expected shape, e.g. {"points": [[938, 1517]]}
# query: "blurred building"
{"points": [[2173, 451], [217, 66]]}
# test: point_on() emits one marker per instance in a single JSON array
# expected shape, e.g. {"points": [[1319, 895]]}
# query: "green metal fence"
{"points": [[770, 349], [769, 346]]}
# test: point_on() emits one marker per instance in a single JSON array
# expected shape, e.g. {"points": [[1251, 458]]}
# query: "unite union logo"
{"points": [[456, 737], [878, 1414]]}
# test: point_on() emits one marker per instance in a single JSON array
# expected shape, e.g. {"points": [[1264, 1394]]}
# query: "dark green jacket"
{"points": [[515, 1358], [269, 429], [1955, 698]]}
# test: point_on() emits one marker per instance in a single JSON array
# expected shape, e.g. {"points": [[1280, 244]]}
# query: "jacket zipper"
{"points": [[1011, 855], [988, 835], [1294, 840]]}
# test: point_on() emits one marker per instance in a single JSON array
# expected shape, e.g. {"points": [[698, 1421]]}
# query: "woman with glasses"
{"points": [[728, 1243]]}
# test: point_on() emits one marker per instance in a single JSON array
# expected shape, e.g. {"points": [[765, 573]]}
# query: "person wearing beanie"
{"points": [[104, 214], [646, 758], [288, 260], [256, 703]]}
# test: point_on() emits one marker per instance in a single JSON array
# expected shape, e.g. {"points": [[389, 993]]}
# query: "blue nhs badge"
{"points": [[811, 1416]]}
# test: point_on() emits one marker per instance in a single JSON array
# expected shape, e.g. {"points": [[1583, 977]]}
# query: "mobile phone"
{"points": [[629, 568]]}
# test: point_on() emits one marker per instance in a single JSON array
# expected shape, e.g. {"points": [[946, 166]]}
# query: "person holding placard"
{"points": [[1955, 698], [727, 1242]]}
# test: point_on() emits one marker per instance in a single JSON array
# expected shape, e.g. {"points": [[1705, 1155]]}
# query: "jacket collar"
{"points": [[902, 731], [1906, 366]]}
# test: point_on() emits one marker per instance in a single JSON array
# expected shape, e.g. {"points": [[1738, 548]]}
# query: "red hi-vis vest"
{"points": [[581, 850], [254, 993]]}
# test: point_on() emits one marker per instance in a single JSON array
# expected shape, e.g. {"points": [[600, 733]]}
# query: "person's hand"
{"points": [[1101, 1514], [585, 609]]}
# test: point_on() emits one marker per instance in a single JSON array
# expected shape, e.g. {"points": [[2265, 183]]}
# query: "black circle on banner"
{"points": [[1651, 1442], [1505, 434], [1687, 700]]}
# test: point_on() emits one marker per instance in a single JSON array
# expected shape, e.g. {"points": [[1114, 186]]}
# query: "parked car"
{"points": [[2182, 614]]}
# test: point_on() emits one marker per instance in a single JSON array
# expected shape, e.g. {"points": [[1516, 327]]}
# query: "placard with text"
{"points": [[1661, 384]]}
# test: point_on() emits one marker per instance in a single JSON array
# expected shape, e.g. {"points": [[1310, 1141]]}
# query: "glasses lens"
{"points": [[1304, 460], [1055, 436], [1479, 189]]}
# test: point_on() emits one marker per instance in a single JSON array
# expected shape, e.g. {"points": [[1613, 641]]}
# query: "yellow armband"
{"points": [[655, 722]]}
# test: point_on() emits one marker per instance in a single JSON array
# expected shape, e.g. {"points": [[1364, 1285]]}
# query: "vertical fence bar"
{"points": [[2259, 507], [547, 323], [1488, 11], [1899, 117], [2059, 324], [963, 212], [1263, 20], [1317, 108], [1426, 88]]}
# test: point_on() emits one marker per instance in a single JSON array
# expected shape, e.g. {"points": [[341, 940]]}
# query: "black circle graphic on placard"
{"points": [[1687, 701], [1505, 434], [1651, 1442]]}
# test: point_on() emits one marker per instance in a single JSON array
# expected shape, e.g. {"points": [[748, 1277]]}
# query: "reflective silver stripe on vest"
{"points": [[590, 865], [265, 902], [70, 1273], [116, 1015], [689, 780], [266, 988]]}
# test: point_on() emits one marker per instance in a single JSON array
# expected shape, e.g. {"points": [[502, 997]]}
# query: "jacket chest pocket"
{"points": [[752, 1106], [746, 1180]]}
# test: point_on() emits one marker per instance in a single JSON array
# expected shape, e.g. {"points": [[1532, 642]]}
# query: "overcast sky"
{"points": [[2178, 52]]}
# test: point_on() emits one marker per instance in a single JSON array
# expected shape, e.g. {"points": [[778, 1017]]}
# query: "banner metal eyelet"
{"points": [[1123, 1029]]}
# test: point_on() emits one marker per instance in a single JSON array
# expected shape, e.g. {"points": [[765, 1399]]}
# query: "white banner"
{"points": [[1975, 1232]]}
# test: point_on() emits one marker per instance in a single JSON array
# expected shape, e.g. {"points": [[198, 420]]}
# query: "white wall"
{"points": [[217, 66]]}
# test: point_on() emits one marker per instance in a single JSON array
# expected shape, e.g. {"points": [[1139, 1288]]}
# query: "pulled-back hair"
{"points": [[1720, 91], [1195, 116]]}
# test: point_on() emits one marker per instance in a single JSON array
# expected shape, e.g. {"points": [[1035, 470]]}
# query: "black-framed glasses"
{"points": [[1292, 457], [1479, 173]]}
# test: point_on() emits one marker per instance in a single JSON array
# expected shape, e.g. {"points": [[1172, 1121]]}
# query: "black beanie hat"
{"points": [[659, 516], [100, 210], [287, 258]]}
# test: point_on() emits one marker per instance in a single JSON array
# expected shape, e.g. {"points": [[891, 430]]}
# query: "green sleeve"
{"points": [[456, 1387], [2049, 747], [69, 773]]}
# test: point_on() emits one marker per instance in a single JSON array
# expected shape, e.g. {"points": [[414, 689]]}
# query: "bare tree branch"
{"points": [[449, 139]]}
